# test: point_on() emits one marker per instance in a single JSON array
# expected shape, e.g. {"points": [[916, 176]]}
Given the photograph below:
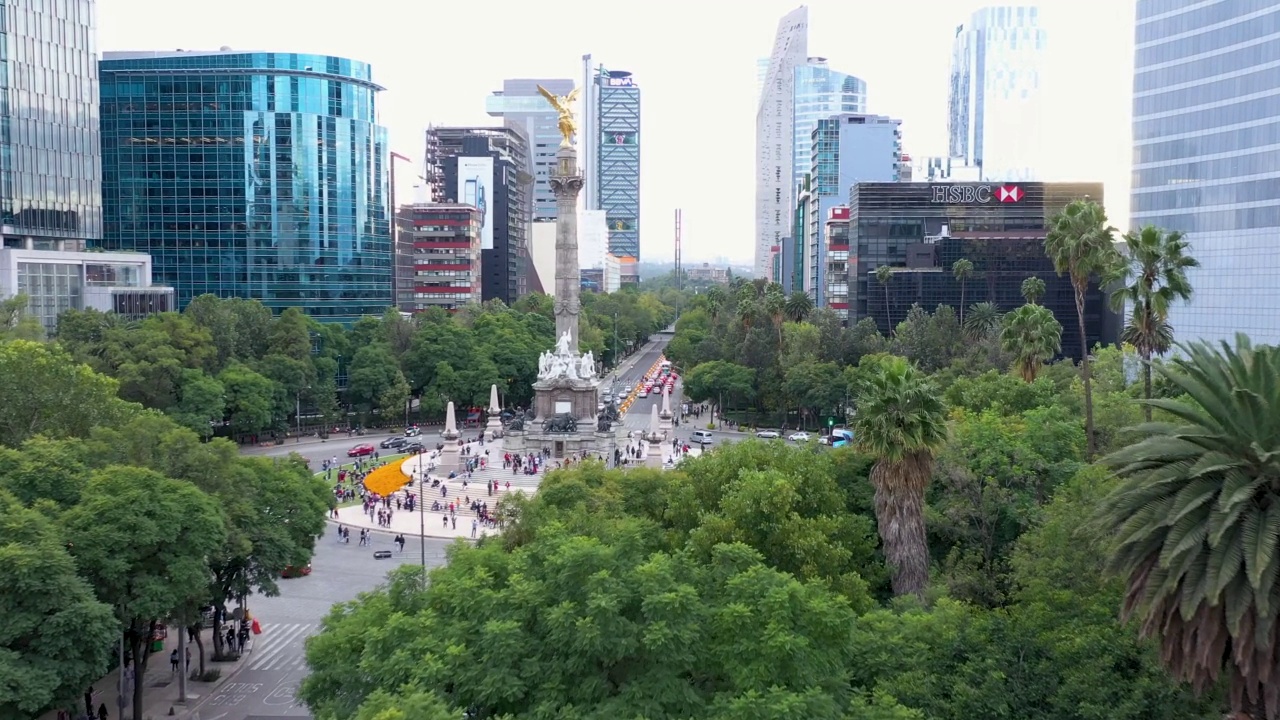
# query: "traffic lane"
{"points": [[642, 364], [337, 444], [257, 694]]}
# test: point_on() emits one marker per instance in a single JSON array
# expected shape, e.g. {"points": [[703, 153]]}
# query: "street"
{"points": [[266, 684]]}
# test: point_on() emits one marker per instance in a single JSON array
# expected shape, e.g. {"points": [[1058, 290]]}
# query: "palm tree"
{"points": [[715, 302], [748, 312], [799, 306], [1154, 276], [1034, 336], [775, 306], [1032, 290], [1196, 522], [1080, 244], [902, 422], [962, 269], [884, 275], [983, 320]]}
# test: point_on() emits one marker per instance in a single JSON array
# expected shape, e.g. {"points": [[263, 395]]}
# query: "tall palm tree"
{"points": [[749, 312], [962, 269], [775, 306], [1153, 277], [884, 275], [799, 306], [1080, 243], [1034, 336], [1196, 522], [1032, 290], [982, 321], [902, 422], [715, 302]]}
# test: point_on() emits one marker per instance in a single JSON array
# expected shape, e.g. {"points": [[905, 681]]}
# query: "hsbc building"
{"points": [[921, 229]]}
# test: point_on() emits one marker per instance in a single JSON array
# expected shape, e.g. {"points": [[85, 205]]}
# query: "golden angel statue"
{"points": [[563, 105]]}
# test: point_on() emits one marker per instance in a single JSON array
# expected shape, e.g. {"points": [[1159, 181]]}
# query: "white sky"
{"points": [[695, 61]]}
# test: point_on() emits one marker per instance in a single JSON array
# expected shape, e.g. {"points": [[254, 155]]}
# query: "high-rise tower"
{"points": [[775, 138], [1206, 123], [614, 157], [996, 100], [519, 105]]}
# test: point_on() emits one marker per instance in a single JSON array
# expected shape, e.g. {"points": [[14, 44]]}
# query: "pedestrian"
{"points": [[173, 661], [474, 524], [88, 702], [102, 711]]}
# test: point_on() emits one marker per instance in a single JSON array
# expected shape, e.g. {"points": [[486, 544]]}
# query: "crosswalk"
{"points": [[280, 646]]}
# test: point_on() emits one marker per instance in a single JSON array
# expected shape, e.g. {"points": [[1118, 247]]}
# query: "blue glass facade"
{"points": [[49, 164], [1206, 133], [820, 92], [258, 175], [617, 160]]}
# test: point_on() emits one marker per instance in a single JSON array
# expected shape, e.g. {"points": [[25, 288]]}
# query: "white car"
{"points": [[799, 437], [768, 434], [644, 393]]}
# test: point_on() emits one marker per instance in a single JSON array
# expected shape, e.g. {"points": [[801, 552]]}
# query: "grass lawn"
{"points": [[349, 466]]}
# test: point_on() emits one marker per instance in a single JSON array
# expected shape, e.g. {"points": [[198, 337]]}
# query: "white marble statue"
{"points": [[562, 345], [589, 365], [571, 367], [544, 364]]}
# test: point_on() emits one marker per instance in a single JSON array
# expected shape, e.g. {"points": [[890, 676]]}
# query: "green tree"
{"points": [[815, 387], [884, 276], [1034, 336], [1153, 276], [717, 380], [54, 471], [416, 705], [901, 422], [962, 269], [57, 637], [143, 541], [373, 373], [982, 322], [1032, 290], [1196, 520], [16, 323], [799, 306], [1080, 244], [43, 391], [201, 402], [252, 400]]}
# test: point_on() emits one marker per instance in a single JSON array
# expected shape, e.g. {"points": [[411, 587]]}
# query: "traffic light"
{"points": [[831, 422]]}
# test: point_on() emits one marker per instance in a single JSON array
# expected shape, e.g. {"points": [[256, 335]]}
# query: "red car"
{"points": [[361, 450], [293, 572]]}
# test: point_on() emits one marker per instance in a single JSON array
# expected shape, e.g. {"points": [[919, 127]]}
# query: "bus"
{"points": [[665, 367]]}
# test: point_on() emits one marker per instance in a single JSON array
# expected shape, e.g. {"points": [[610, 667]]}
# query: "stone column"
{"points": [[566, 183]]}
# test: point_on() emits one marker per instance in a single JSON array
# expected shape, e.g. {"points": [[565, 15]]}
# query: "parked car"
{"points": [[393, 443], [361, 450], [799, 437], [702, 437], [293, 572], [768, 434]]}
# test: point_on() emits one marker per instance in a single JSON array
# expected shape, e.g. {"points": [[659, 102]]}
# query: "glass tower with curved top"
{"points": [[1206, 155], [250, 174], [819, 93]]}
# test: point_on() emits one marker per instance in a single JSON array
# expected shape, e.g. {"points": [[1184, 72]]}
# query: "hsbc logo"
{"points": [[976, 194]]}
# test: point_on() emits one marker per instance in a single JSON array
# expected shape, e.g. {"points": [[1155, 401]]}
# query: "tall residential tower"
{"points": [[996, 101], [1206, 125], [613, 160], [775, 138]]}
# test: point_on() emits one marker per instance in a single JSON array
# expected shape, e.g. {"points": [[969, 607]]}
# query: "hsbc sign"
{"points": [[976, 194]]}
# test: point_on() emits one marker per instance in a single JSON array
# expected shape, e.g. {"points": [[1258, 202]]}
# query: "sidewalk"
{"points": [[161, 694]]}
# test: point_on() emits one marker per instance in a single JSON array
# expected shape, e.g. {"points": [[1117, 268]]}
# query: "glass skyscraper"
{"points": [[775, 146], [250, 174], [1206, 133], [820, 92], [996, 102], [616, 124], [50, 168], [520, 105]]}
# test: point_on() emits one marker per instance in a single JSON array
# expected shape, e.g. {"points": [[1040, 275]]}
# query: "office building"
{"points": [[920, 229], [250, 174], [1206, 125], [997, 98], [50, 165], [485, 168], [521, 106], [707, 274], [845, 149], [629, 270], [819, 92], [604, 279], [795, 244], [837, 241], [445, 239], [615, 157], [60, 277], [775, 139]]}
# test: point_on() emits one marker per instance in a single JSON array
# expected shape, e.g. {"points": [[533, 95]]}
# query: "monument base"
{"points": [[561, 445]]}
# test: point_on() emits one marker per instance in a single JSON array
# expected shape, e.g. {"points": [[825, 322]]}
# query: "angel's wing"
{"points": [[573, 95], [550, 96]]}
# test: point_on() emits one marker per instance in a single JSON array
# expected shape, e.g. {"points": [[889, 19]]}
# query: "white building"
{"points": [[775, 136], [593, 239], [542, 255], [59, 280], [997, 99]]}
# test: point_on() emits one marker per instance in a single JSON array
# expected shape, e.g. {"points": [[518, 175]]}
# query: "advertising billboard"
{"points": [[475, 188]]}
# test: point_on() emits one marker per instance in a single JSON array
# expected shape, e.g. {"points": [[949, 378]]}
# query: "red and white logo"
{"points": [[1009, 194]]}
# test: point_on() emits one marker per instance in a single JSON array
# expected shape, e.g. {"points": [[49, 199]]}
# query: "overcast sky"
{"points": [[695, 61]]}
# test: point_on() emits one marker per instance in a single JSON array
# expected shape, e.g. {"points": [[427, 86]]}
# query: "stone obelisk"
{"points": [[566, 183]]}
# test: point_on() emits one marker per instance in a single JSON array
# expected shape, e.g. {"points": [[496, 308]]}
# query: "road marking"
{"points": [[269, 648]]}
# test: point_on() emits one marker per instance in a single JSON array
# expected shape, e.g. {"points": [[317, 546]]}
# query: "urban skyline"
{"points": [[914, 91]]}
